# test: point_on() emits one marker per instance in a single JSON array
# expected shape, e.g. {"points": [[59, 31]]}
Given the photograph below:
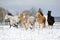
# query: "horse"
{"points": [[31, 20], [40, 18], [14, 20], [50, 19], [23, 20]]}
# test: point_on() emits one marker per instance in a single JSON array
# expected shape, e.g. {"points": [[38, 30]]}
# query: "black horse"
{"points": [[50, 19]]}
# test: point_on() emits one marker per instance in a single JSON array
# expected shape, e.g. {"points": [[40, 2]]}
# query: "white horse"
{"points": [[31, 20], [14, 20]]}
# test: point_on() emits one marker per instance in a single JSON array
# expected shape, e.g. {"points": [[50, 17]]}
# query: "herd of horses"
{"points": [[30, 20]]}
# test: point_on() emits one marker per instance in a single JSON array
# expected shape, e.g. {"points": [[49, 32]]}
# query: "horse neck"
{"points": [[9, 16], [22, 18], [49, 16], [39, 15]]}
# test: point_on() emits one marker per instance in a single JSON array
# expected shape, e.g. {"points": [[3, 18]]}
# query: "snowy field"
{"points": [[20, 33]]}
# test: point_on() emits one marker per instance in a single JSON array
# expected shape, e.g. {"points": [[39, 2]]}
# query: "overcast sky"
{"points": [[15, 6]]}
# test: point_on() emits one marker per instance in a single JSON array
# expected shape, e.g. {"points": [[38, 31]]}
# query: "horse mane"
{"points": [[10, 14], [40, 11]]}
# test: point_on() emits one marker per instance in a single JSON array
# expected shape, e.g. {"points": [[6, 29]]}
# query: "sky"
{"points": [[15, 6]]}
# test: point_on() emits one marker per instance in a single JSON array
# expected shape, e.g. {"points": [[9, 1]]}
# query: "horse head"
{"points": [[49, 13], [22, 15], [7, 17], [40, 11]]}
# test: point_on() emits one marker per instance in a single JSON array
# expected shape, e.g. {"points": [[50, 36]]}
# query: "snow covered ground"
{"points": [[20, 33]]}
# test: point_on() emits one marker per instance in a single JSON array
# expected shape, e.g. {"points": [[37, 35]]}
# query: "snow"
{"points": [[20, 33]]}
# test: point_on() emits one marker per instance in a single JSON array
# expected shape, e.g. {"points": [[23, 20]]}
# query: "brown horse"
{"points": [[40, 18]]}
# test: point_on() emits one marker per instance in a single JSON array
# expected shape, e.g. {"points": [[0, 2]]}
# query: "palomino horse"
{"points": [[40, 18], [14, 20], [23, 20]]}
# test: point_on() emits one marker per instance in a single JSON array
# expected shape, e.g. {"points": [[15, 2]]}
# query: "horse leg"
{"points": [[15, 25], [51, 26], [10, 26], [31, 26], [44, 21], [24, 26], [43, 25], [39, 27]]}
